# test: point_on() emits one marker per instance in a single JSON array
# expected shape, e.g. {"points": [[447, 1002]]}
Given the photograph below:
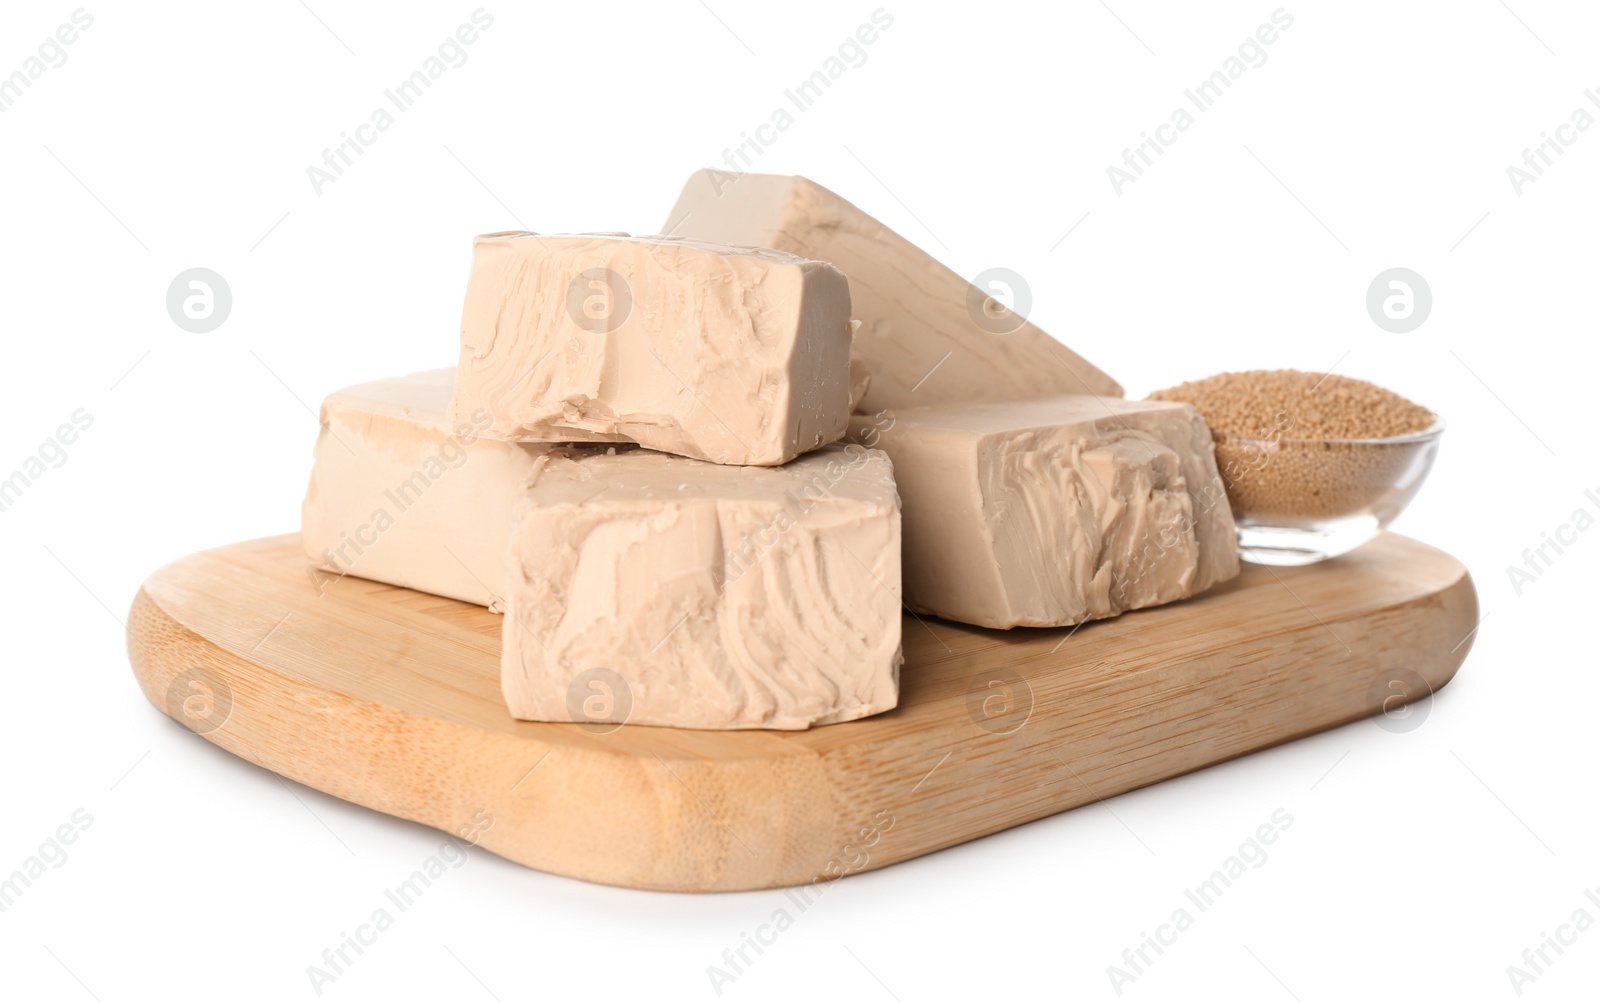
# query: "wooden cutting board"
{"points": [[391, 698]]}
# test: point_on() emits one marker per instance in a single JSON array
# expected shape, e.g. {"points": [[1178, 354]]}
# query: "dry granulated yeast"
{"points": [[1278, 434]]}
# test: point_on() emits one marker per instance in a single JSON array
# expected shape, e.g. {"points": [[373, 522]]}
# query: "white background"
{"points": [[1418, 865]]}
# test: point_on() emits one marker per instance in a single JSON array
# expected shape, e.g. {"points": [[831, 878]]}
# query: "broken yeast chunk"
{"points": [[652, 589], [927, 335], [401, 494], [1051, 511], [733, 355]]}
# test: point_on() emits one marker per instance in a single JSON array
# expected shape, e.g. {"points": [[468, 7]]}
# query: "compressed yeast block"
{"points": [[928, 335], [653, 589], [404, 495], [733, 355], [1056, 510]]}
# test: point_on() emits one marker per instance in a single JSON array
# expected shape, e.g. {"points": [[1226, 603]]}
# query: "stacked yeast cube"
{"points": [[677, 465]]}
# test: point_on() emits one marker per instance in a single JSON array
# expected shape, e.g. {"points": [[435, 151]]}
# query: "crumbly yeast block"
{"points": [[653, 589], [928, 335], [860, 380], [402, 494], [1055, 510], [728, 354]]}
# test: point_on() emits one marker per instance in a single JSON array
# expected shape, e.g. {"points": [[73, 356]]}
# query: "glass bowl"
{"points": [[1299, 501]]}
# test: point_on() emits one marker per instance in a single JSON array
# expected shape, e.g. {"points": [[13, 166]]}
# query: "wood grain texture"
{"points": [[391, 699]]}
